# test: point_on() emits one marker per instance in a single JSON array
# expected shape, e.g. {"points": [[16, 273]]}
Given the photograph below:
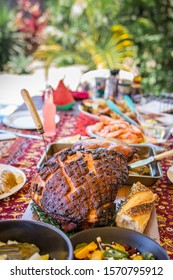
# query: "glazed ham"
{"points": [[77, 187], [114, 144]]}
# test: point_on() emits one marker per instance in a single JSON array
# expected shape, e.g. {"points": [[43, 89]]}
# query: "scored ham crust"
{"points": [[113, 144], [78, 187]]}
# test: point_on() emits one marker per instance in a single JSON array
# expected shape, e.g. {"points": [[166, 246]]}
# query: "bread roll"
{"points": [[136, 210]]}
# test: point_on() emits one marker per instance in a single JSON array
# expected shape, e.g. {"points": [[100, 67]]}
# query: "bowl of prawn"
{"points": [[122, 236], [119, 129]]}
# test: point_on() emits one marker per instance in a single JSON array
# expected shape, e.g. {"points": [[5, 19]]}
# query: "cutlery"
{"points": [[34, 114], [151, 159], [132, 107], [27, 135], [115, 108], [5, 134]]}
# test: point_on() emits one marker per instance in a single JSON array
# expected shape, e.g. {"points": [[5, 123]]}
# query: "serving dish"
{"points": [[97, 107], [51, 150], [93, 116], [123, 236], [117, 129], [47, 238], [32, 212], [155, 167], [93, 108], [141, 150], [16, 187]]}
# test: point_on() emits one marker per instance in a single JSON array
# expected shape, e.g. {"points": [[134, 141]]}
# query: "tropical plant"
{"points": [[87, 37], [112, 53], [10, 40], [151, 23], [30, 22], [20, 64]]}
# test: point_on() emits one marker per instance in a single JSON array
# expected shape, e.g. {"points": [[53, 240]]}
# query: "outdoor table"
{"points": [[25, 153]]}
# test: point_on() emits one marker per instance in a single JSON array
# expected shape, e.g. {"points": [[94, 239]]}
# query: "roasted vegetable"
{"points": [[19, 251], [115, 254], [13, 250], [82, 252], [148, 256], [103, 251]]}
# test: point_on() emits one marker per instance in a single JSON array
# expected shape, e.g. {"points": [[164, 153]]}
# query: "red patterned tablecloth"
{"points": [[25, 153]]}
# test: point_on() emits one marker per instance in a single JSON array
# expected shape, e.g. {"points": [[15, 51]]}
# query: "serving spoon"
{"points": [[115, 109]]}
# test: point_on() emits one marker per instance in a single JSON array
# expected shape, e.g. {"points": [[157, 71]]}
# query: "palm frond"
{"points": [[91, 52], [114, 52]]}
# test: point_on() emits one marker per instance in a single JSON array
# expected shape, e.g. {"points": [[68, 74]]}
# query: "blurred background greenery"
{"points": [[113, 34]]}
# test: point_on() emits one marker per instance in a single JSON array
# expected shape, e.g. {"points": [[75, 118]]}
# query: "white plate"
{"points": [[94, 101], [95, 117], [170, 173], [23, 120], [17, 187], [91, 133]]}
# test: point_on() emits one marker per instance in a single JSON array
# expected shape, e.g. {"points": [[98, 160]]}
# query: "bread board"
{"points": [[151, 229]]}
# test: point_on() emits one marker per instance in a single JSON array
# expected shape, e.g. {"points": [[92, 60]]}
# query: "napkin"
{"points": [[80, 95]]}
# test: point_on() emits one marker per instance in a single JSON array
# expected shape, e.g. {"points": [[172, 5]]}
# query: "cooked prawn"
{"points": [[116, 134], [107, 120], [119, 129], [97, 127]]}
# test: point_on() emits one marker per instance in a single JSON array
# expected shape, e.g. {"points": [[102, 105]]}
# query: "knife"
{"points": [[12, 134], [7, 136], [150, 159], [28, 136]]}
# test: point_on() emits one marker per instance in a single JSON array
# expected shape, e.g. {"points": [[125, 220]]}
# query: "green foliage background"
{"points": [[150, 23], [83, 32]]}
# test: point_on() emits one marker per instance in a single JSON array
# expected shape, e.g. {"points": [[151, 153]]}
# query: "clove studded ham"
{"points": [[77, 187]]}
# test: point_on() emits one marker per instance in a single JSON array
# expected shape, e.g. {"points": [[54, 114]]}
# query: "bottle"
{"points": [[49, 113], [111, 86], [100, 87]]}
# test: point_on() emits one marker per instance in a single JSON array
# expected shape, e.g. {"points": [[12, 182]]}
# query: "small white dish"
{"points": [[15, 171], [95, 117], [23, 120]]}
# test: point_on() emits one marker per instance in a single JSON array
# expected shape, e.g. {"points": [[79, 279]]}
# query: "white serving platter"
{"points": [[23, 120], [18, 186]]}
